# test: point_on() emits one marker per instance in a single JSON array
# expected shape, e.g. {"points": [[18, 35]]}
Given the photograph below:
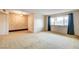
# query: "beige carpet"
{"points": [[42, 40]]}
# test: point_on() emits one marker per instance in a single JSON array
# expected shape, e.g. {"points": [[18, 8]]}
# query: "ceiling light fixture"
{"points": [[21, 15], [19, 12]]}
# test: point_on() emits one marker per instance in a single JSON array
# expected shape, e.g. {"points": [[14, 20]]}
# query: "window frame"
{"points": [[64, 23]]}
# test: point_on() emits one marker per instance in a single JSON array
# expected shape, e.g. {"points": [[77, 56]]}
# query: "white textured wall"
{"points": [[3, 24], [45, 23], [59, 29], [38, 23], [16, 21], [76, 22], [30, 23]]}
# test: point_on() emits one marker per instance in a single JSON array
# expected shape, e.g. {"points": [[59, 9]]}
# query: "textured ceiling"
{"points": [[45, 11]]}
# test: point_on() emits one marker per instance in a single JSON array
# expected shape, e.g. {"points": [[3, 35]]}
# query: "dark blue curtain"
{"points": [[70, 25], [49, 24]]}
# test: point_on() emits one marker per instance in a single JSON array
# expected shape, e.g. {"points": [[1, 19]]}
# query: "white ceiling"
{"points": [[40, 11], [46, 11]]}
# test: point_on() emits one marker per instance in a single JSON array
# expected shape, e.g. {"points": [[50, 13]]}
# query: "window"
{"points": [[66, 20], [52, 21], [61, 20]]}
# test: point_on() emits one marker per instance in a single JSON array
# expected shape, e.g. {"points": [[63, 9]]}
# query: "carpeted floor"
{"points": [[42, 40]]}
